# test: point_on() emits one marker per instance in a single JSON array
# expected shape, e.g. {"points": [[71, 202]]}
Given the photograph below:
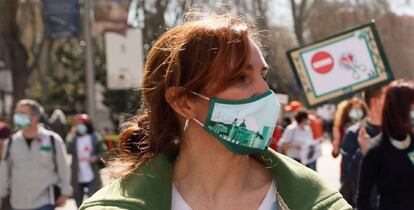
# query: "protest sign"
{"points": [[341, 65]]}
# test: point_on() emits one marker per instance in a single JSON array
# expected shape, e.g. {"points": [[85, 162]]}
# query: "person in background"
{"points": [[57, 123], [201, 139], [277, 134], [348, 112], [315, 123], [5, 133], [86, 148], [327, 114], [350, 148], [389, 165], [34, 163], [297, 140]]}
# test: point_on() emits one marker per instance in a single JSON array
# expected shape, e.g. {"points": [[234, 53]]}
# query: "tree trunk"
{"points": [[16, 51], [298, 13]]}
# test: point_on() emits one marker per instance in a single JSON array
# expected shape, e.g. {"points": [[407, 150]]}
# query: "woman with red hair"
{"points": [[201, 139], [390, 164]]}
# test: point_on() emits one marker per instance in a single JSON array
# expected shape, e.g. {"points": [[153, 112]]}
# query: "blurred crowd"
{"points": [[371, 132], [46, 161]]}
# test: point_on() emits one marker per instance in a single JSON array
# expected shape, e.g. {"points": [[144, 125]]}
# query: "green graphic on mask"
{"points": [[243, 126], [240, 134]]}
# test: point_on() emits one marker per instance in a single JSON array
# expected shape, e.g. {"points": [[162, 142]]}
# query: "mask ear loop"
{"points": [[186, 124], [187, 121], [197, 94]]}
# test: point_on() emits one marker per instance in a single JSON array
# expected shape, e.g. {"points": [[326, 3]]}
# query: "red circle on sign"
{"points": [[322, 62]]}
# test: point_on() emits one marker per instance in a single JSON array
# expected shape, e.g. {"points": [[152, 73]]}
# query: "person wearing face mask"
{"points": [[348, 113], [201, 139], [389, 164], [86, 148], [352, 149], [356, 114], [297, 141], [34, 165]]}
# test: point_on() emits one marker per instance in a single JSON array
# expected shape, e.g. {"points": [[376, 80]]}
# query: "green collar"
{"points": [[149, 186], [156, 176]]}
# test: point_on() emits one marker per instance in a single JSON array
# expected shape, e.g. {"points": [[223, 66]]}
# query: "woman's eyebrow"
{"points": [[251, 67]]}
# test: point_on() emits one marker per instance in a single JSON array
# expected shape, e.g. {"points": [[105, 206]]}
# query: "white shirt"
{"points": [[268, 203], [297, 136], [84, 151]]}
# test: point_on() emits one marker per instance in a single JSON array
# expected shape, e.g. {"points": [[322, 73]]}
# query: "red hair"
{"points": [[198, 55], [399, 97]]}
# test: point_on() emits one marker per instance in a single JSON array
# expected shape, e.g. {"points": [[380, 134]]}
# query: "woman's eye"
{"points": [[242, 78]]}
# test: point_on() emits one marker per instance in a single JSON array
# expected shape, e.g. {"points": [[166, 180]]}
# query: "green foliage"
{"points": [[69, 87]]}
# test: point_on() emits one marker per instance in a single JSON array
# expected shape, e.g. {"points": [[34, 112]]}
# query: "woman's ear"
{"points": [[179, 102]]}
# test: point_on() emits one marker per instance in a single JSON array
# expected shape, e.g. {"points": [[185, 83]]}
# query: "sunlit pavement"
{"points": [[71, 205], [328, 168]]}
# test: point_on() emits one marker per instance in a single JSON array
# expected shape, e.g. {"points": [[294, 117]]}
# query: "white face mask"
{"points": [[243, 126], [412, 117], [356, 114]]}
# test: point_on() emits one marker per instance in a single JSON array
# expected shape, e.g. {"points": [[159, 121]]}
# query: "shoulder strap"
{"points": [[52, 141], [8, 148]]}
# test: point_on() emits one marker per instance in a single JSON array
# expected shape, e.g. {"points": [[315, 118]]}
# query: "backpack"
{"points": [[52, 142]]}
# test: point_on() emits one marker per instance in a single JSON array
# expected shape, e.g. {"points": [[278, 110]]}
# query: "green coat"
{"points": [[149, 187]]}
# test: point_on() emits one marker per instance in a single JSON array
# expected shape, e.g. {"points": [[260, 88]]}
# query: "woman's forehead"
{"points": [[256, 58]]}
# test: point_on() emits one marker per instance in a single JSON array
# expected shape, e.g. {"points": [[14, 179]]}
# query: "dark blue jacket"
{"points": [[352, 157]]}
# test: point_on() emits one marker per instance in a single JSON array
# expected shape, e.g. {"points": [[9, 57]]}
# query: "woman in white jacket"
{"points": [[297, 141]]}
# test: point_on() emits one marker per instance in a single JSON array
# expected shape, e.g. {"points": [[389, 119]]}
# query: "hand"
{"points": [[286, 147], [335, 148], [61, 201], [363, 140], [335, 152]]}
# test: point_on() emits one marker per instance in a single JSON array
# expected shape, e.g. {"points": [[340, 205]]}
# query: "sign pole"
{"points": [[90, 74]]}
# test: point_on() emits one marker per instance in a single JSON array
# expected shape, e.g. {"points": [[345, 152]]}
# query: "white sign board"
{"points": [[124, 59], [341, 65]]}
